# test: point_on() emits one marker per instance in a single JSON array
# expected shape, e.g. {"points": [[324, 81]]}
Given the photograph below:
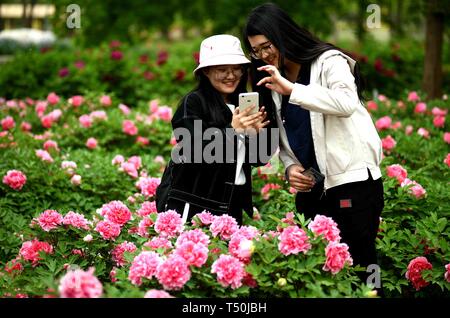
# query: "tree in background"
{"points": [[436, 12]]}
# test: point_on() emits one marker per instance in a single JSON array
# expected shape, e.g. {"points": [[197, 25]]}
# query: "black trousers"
{"points": [[356, 208]]}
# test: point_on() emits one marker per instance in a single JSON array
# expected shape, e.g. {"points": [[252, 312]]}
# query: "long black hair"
{"points": [[293, 42], [213, 101]]}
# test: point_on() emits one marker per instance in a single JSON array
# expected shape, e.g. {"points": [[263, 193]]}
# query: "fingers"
{"points": [[267, 79], [268, 68]]}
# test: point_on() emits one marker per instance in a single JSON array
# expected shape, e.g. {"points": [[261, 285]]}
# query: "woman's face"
{"points": [[224, 78], [264, 50]]}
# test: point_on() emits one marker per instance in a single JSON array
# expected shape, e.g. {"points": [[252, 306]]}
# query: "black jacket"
{"points": [[214, 181]]}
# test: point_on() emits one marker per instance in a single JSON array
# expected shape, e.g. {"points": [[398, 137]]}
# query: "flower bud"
{"points": [[282, 282]]}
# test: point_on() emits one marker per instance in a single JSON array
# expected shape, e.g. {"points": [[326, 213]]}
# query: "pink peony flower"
{"points": [[52, 98], [371, 105], [153, 105], [193, 253], [397, 171], [98, 115], [420, 108], [174, 273], [447, 273], [413, 97], [44, 155], [124, 109], [383, 123], [155, 293], [164, 113], [206, 218], [265, 190], [423, 132], [130, 169], [85, 121], [447, 137], [322, 225], [230, 271], [8, 123], [241, 247], [293, 240], [382, 98], [388, 143], [436, 111], [14, 265], [30, 250], [159, 243], [40, 108], [76, 220], [108, 230], [148, 186], [49, 220], [144, 225], [76, 100], [80, 284], [105, 100], [129, 128], [337, 256], [75, 180], [116, 212], [408, 130], [447, 160], [117, 160], [169, 224], [289, 218], [142, 140], [136, 161], [439, 121], [224, 225], [116, 55], [147, 208], [68, 165], [414, 188], [50, 144], [119, 250], [195, 236], [91, 143], [396, 125], [47, 121], [25, 126], [414, 272], [15, 179]]}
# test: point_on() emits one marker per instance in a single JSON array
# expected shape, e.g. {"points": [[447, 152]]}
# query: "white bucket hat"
{"points": [[222, 49]]}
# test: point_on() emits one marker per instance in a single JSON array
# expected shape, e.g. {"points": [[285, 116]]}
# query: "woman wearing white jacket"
{"points": [[315, 93]]}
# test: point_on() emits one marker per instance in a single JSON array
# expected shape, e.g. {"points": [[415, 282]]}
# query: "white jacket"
{"points": [[346, 142]]}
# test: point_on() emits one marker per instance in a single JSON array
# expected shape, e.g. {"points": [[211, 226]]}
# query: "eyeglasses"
{"points": [[257, 54], [221, 73]]}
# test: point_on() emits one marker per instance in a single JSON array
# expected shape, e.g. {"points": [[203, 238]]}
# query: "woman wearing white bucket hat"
{"points": [[192, 182]]}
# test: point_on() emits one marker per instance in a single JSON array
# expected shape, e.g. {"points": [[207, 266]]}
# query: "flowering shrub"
{"points": [[192, 260], [65, 207]]}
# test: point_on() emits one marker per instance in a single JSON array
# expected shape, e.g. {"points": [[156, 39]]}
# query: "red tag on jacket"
{"points": [[347, 203]]}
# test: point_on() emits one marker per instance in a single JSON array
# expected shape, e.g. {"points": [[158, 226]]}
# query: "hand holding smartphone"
{"points": [[314, 174], [247, 100]]}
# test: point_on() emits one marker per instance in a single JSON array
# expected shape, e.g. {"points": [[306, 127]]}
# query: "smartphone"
{"points": [[249, 99], [314, 174]]}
